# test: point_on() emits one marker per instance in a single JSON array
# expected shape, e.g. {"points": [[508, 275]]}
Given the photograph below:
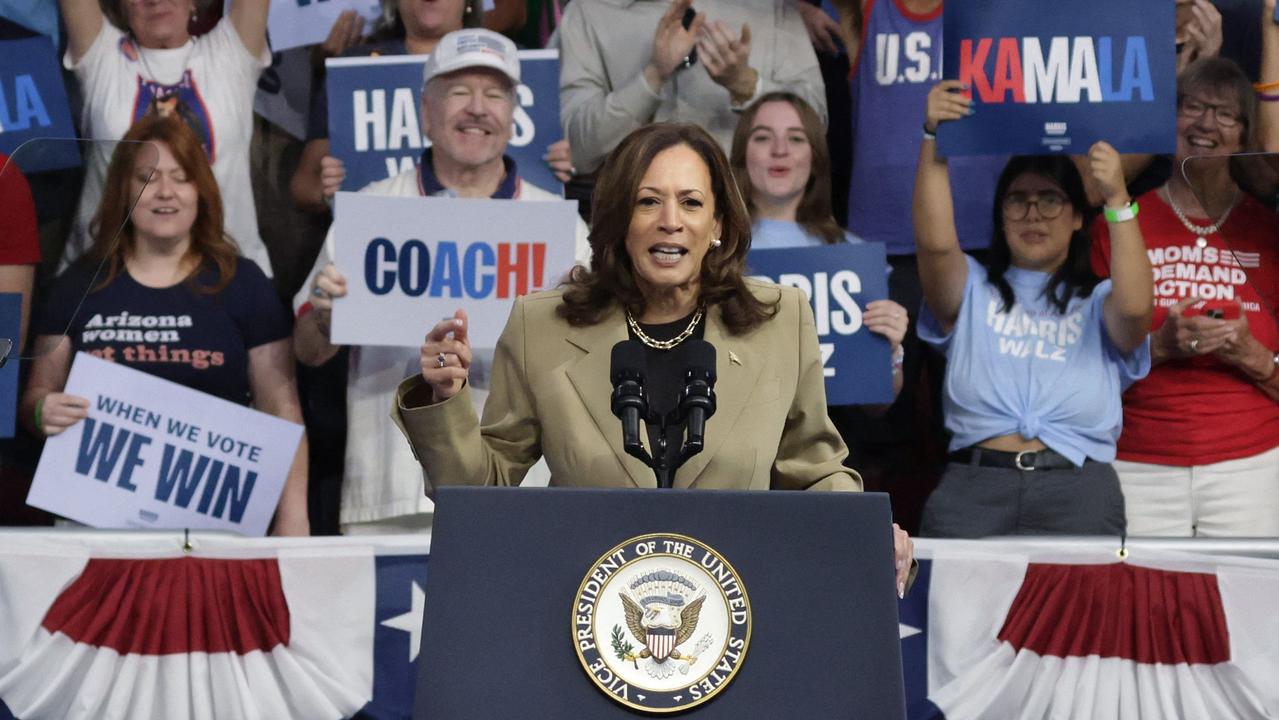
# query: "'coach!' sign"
{"points": [[410, 262], [1050, 77]]}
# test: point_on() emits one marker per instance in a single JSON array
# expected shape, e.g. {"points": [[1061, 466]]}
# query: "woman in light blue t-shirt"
{"points": [[782, 166], [1039, 349]]}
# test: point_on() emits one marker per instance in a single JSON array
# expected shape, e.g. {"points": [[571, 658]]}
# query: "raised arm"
{"points": [[1268, 109], [248, 17], [1128, 308], [943, 270], [275, 391], [1133, 165], [434, 409], [83, 19]]}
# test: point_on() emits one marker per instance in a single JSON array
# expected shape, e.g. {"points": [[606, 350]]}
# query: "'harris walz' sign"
{"points": [[375, 110], [1048, 77], [839, 281]]}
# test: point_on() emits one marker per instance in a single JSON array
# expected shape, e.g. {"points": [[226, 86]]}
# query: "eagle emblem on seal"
{"points": [[662, 609]]}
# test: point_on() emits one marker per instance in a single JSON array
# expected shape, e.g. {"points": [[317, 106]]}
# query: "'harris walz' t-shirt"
{"points": [[196, 339]]}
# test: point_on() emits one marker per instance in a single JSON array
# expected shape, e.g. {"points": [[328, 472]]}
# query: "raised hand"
{"points": [[1107, 172], [446, 357], [327, 285], [332, 173], [727, 58], [946, 103], [671, 43]]}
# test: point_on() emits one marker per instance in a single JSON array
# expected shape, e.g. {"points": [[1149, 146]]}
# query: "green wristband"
{"points": [[40, 415], [1123, 214]]}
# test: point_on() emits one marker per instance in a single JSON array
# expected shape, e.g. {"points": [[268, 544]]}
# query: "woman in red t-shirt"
{"points": [[20, 244], [1199, 454]]}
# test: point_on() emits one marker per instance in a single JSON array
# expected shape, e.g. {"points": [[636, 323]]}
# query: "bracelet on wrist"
{"points": [[1121, 214], [1274, 372], [929, 134]]}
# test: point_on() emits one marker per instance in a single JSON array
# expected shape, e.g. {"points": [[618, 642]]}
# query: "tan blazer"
{"points": [[551, 395]]}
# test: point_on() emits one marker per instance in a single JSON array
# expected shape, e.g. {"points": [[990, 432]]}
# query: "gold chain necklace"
{"points": [[664, 344]]}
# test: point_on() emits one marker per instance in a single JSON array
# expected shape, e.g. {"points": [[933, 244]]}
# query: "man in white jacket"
{"points": [[468, 102]]}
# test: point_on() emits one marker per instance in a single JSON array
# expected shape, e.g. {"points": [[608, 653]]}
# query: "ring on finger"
{"points": [[440, 360], [319, 292], [1194, 344]]}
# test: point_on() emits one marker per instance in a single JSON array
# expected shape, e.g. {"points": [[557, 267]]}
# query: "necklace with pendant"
{"points": [[1202, 231]]}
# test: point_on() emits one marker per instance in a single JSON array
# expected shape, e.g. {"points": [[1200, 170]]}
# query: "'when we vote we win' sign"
{"points": [[154, 454]]}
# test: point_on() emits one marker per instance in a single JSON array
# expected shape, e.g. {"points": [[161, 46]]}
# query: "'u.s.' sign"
{"points": [[1049, 77]]}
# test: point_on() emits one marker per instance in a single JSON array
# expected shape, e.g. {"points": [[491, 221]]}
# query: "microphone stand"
{"points": [[630, 404], [664, 471]]}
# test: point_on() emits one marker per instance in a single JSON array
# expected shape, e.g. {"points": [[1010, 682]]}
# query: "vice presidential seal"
{"points": [[661, 623]]}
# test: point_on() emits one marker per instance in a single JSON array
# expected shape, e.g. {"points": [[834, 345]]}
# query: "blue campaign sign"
{"points": [[839, 280], [1053, 78], [10, 327], [375, 110], [33, 104]]}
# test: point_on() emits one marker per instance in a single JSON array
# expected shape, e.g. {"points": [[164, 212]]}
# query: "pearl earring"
{"points": [[715, 242]]}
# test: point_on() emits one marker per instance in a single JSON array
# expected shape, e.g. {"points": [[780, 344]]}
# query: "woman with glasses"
{"points": [[1199, 454], [1038, 348]]}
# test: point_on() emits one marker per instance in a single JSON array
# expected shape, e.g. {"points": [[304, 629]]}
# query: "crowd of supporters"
{"points": [[1165, 421]]}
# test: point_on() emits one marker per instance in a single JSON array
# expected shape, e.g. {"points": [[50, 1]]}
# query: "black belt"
{"points": [[1027, 460]]}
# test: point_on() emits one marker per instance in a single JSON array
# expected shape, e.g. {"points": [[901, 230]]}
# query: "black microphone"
{"points": [[697, 399], [630, 404]]}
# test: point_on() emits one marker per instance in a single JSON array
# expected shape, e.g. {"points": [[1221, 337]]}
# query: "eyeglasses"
{"points": [[1049, 204], [1226, 116]]}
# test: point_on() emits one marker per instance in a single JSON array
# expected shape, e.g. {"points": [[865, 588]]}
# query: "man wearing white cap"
{"points": [[468, 104]]}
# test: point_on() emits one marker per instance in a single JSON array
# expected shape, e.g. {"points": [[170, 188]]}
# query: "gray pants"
{"points": [[973, 501]]}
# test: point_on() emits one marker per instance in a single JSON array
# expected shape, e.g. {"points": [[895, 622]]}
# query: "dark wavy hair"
{"points": [[1075, 276], [814, 213], [210, 248], [590, 294]]}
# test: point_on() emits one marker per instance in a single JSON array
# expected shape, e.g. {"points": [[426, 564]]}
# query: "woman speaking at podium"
{"points": [[669, 240]]}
